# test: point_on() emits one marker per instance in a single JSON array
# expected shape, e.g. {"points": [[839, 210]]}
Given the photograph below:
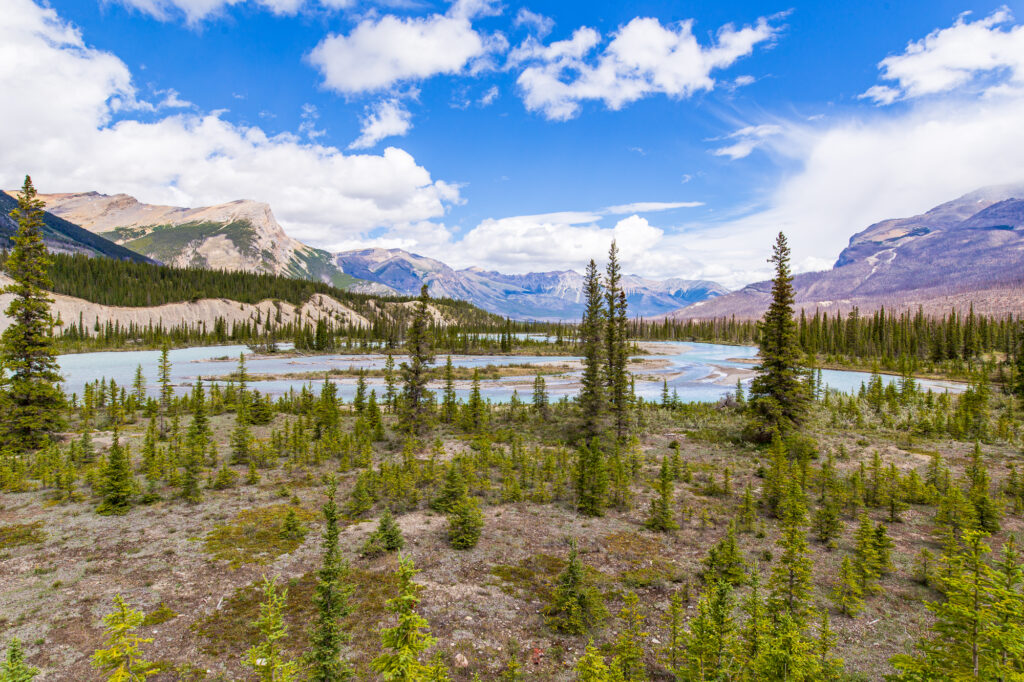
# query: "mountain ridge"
{"points": [[966, 251]]}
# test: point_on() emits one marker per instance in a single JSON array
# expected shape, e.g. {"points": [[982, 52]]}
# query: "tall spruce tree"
{"points": [[332, 603], [30, 394], [779, 394], [592, 394], [616, 348], [416, 399]]}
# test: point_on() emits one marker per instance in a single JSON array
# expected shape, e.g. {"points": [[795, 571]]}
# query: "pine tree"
{"points": [[725, 561], [592, 394], [867, 565], [540, 398], [616, 345], [404, 643], [30, 394], [661, 516], [14, 668], [576, 605], [452, 490], [416, 399], [846, 593], [390, 391], [331, 598], [591, 479], [122, 657], [474, 414], [790, 582], [387, 537], [166, 389], [591, 667], [957, 647], [118, 484], [628, 648], [359, 401], [675, 634], [711, 650], [465, 521], [450, 403], [266, 657], [778, 394]]}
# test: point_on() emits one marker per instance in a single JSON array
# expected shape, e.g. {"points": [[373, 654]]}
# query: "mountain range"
{"points": [[62, 236], [969, 251], [244, 235]]}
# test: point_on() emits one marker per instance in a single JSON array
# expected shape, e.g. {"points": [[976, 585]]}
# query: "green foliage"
{"points": [[465, 521], [118, 483], [332, 600], [576, 605], [18, 534], [661, 516], [14, 668], [266, 658], [628, 647], [404, 643], [121, 660], [255, 536], [778, 394], [417, 402], [30, 395], [591, 479], [847, 595], [591, 334], [591, 667], [387, 537]]}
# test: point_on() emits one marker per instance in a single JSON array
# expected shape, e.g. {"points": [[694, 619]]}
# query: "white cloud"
{"points": [[988, 53], [387, 118], [651, 206], [641, 59], [381, 52], [488, 98], [309, 118], [538, 23], [747, 139], [195, 11], [318, 193]]}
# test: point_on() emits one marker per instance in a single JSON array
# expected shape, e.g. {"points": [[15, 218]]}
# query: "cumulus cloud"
{"points": [[538, 23], [387, 118], [91, 142], [642, 58], [381, 52], [987, 53]]}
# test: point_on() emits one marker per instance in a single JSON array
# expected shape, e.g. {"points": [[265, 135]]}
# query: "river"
{"points": [[696, 371]]}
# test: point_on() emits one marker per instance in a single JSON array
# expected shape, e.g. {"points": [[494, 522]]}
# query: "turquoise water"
{"points": [[692, 371]]}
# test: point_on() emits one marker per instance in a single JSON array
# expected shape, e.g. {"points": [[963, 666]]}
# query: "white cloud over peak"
{"points": [[90, 142], [642, 58], [381, 52], [987, 53], [387, 118]]}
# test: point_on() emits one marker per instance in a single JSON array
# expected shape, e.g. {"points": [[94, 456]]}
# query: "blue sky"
{"points": [[524, 136]]}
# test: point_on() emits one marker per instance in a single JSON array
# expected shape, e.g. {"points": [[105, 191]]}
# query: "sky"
{"points": [[524, 136]]}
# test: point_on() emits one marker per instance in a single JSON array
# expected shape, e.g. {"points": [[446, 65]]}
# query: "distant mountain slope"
{"points": [[240, 235], [539, 295], [62, 236], [969, 250]]}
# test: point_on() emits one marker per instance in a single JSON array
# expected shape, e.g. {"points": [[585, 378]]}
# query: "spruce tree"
{"points": [[628, 647], [404, 643], [166, 389], [387, 537], [465, 521], [576, 606], [449, 403], [14, 668], [790, 582], [416, 399], [266, 657], [662, 516], [711, 650], [591, 667], [778, 394], [122, 657], [30, 394], [846, 593], [540, 398], [616, 345], [592, 393], [591, 479], [118, 485], [331, 599]]}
